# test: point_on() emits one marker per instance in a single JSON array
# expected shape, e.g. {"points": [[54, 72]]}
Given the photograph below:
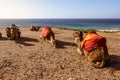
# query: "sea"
{"points": [[98, 24]]}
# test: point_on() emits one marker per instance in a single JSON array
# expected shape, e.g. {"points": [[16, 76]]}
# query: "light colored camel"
{"points": [[93, 47]]}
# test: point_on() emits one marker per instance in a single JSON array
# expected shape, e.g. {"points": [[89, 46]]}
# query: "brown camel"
{"points": [[12, 33], [48, 35], [34, 28], [93, 46]]}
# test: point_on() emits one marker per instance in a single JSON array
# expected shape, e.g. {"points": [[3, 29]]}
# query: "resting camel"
{"points": [[12, 33], [93, 46], [48, 35], [34, 28]]}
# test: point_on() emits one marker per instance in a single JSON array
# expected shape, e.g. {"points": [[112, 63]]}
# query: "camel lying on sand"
{"points": [[12, 33], [93, 46], [48, 35], [34, 28]]}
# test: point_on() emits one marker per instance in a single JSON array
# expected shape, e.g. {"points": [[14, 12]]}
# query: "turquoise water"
{"points": [[67, 23]]}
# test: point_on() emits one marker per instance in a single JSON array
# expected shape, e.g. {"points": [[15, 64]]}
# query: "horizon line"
{"points": [[59, 18]]}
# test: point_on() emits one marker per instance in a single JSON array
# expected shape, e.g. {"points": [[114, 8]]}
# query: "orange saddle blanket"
{"points": [[45, 31], [93, 42]]}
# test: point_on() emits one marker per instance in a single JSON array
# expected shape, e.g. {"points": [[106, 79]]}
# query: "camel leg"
{"points": [[52, 41], [97, 56]]}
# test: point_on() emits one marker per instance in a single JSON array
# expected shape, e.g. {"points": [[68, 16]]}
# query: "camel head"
{"points": [[78, 35]]}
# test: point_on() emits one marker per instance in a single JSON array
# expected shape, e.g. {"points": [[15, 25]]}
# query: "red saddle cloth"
{"points": [[93, 42], [45, 31]]}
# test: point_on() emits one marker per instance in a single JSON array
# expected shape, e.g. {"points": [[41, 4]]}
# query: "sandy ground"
{"points": [[28, 58]]}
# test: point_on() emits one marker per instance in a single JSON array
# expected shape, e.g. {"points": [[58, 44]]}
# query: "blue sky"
{"points": [[59, 8]]}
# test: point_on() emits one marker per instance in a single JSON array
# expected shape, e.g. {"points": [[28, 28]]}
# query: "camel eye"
{"points": [[77, 32]]}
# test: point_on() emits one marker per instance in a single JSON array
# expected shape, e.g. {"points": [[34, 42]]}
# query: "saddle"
{"points": [[45, 31], [92, 40]]}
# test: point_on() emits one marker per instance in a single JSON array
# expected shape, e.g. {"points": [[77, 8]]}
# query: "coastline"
{"points": [[65, 23], [110, 30], [75, 29]]}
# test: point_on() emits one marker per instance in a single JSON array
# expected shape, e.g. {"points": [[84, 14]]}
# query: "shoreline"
{"points": [[74, 29], [109, 30]]}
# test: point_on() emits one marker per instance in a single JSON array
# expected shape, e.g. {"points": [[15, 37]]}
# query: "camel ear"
{"points": [[80, 33]]}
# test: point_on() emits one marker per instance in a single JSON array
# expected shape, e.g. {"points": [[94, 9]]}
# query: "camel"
{"points": [[34, 28], [48, 35], [12, 33], [93, 46]]}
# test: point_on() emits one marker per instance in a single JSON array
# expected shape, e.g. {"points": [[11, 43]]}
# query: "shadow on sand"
{"points": [[62, 44], [26, 41], [4, 38], [114, 62]]}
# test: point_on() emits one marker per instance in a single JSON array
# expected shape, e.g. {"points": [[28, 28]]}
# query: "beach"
{"points": [[98, 24], [29, 58]]}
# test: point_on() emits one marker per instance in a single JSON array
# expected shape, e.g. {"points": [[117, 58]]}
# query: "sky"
{"points": [[59, 9]]}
